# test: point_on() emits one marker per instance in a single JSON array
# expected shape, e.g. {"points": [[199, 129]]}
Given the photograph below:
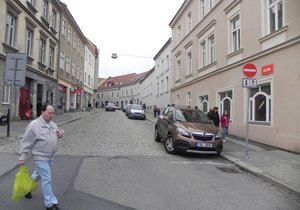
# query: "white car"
{"points": [[110, 107], [136, 111]]}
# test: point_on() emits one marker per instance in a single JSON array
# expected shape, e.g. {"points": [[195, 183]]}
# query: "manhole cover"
{"points": [[228, 170]]}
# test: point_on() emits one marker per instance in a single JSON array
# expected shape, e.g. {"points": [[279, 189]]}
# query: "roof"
{"points": [[115, 82], [121, 81]]}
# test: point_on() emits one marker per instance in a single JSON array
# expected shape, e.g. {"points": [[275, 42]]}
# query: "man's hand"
{"points": [[60, 133]]}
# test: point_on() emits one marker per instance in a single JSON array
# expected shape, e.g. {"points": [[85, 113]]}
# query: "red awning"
{"points": [[78, 91]]}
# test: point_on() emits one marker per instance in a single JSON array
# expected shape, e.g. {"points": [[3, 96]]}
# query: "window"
{"points": [[51, 57], [178, 70], [226, 102], [32, 2], [203, 54], [10, 29], [74, 41], [211, 48], [167, 84], [178, 33], [28, 41], [189, 98], [260, 103], [73, 70], [62, 60], [68, 64], [177, 99], [69, 34], [45, 9], [89, 80], [235, 33], [63, 27], [202, 9], [77, 71], [54, 19], [168, 62], [189, 63], [42, 51], [189, 22], [205, 7], [162, 86], [211, 4], [275, 12], [204, 103]]}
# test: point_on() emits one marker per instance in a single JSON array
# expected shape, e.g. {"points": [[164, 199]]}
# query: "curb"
{"points": [[262, 175]]}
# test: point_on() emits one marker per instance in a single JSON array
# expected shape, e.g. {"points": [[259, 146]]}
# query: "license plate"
{"points": [[204, 145]]}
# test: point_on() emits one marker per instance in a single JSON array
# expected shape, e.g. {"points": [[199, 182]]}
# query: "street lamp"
{"points": [[115, 56]]}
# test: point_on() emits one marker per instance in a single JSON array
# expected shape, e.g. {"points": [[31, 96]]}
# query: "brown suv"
{"points": [[184, 129]]}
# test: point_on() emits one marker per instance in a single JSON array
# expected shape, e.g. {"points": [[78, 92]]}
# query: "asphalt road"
{"points": [[107, 161]]}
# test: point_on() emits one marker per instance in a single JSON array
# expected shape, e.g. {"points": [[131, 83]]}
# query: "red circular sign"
{"points": [[249, 70]]}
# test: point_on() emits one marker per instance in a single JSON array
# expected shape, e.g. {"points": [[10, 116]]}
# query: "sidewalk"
{"points": [[274, 166]]}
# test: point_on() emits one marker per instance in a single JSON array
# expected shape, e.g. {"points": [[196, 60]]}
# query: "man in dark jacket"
{"points": [[215, 117]]}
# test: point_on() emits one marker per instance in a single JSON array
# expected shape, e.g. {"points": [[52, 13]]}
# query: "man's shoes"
{"points": [[54, 207], [28, 195]]}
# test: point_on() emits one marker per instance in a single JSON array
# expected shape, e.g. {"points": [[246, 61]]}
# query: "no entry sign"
{"points": [[249, 70]]}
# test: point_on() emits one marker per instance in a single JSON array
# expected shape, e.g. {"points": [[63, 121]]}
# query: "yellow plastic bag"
{"points": [[23, 184]]}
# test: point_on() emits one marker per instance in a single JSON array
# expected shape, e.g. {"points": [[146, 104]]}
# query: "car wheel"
{"points": [[219, 150], [169, 147], [156, 135]]}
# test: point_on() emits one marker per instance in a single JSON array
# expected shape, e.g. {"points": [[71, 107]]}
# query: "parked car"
{"points": [[185, 129], [136, 111], [110, 107]]}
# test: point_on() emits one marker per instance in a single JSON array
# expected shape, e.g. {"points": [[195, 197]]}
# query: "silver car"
{"points": [[136, 111]]}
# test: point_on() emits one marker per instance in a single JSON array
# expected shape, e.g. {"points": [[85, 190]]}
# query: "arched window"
{"points": [[225, 99], [260, 103], [204, 105]]}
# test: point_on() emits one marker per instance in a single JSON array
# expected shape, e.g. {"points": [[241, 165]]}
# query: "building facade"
{"points": [[212, 42], [121, 90], [31, 28], [71, 64], [89, 73], [163, 74]]}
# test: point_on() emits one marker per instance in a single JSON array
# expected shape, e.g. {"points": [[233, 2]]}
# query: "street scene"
{"points": [[107, 161], [149, 105]]}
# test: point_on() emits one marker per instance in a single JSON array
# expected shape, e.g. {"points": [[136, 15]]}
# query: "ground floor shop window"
{"points": [[260, 103], [61, 97]]}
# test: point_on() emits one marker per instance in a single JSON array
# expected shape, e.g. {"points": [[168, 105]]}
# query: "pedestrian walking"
{"points": [[215, 117], [225, 124], [40, 140], [144, 106], [155, 111], [209, 114], [158, 111]]}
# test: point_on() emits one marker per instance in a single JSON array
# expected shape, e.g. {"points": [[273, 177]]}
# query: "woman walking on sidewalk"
{"points": [[225, 124]]}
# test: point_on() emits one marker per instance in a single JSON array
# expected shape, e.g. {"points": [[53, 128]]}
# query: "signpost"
{"points": [[14, 75], [249, 71]]}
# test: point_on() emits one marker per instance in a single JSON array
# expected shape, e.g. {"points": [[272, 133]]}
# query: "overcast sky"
{"points": [[134, 29]]}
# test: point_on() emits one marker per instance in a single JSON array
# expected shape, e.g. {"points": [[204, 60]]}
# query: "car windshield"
{"points": [[136, 107], [188, 115]]}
